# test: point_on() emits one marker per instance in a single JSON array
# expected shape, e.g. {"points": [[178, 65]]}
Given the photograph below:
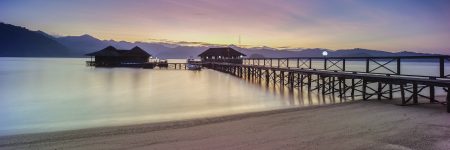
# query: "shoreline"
{"points": [[317, 114], [158, 126]]}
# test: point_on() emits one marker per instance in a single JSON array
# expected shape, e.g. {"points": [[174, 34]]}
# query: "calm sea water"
{"points": [[52, 94]]}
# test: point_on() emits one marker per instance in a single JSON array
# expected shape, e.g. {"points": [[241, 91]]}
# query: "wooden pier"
{"points": [[149, 65], [334, 77]]}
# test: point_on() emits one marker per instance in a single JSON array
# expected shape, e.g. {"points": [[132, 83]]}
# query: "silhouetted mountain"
{"points": [[82, 44], [20, 42]]}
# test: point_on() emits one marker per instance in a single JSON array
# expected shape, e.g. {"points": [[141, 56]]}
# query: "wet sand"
{"points": [[354, 125]]}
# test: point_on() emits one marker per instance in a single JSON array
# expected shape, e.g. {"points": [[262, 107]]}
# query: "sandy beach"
{"points": [[354, 125]]}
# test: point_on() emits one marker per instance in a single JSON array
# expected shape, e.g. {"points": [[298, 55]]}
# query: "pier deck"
{"points": [[345, 84]]}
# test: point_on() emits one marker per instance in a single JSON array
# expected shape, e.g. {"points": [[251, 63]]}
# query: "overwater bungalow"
{"points": [[222, 54], [112, 57]]}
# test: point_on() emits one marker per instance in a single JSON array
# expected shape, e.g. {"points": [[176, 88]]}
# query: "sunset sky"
{"points": [[394, 25]]}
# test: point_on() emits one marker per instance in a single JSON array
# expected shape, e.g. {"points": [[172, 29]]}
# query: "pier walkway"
{"points": [[335, 78]]}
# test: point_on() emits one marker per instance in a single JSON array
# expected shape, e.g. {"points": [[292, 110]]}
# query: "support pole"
{"points": [[402, 93], [323, 85], [379, 90], [353, 88], [278, 62], [310, 63], [318, 84], [415, 93], [432, 97], [343, 64], [364, 89], [340, 88], [274, 78], [390, 91], [309, 82], [333, 88], [291, 82], [301, 81], [367, 65], [442, 67]]}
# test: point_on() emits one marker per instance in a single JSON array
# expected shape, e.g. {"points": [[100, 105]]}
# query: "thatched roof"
{"points": [[223, 51], [108, 51], [111, 51]]}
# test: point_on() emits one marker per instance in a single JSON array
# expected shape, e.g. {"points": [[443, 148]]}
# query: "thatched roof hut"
{"points": [[110, 56], [222, 52]]}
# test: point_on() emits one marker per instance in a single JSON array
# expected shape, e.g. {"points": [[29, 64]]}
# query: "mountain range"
{"points": [[18, 41]]}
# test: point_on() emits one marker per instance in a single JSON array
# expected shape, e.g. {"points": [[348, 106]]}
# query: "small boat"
{"points": [[193, 65]]}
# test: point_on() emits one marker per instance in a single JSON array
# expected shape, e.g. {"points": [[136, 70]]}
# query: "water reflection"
{"points": [[297, 96], [42, 94], [49, 94]]}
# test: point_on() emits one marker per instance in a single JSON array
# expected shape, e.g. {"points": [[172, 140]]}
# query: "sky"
{"points": [[392, 25]]}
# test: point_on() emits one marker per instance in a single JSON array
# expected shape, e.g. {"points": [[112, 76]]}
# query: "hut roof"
{"points": [[111, 51], [222, 51], [138, 51], [108, 51]]}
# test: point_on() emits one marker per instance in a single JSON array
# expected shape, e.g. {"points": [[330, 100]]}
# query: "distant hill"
{"points": [[20, 42], [82, 44]]}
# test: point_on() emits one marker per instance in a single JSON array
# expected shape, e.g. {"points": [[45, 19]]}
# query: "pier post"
{"points": [[287, 62], [442, 67], [310, 63], [340, 87], [318, 84], [333, 88], [432, 97], [330, 84], [415, 93], [353, 88], [278, 62], [267, 77], [274, 78], [402, 93], [345, 88], [367, 65], [301, 81], [379, 91], [343, 64], [264, 63], [248, 73], [398, 66], [291, 82], [309, 82], [323, 85], [259, 73], [364, 89], [390, 91]]}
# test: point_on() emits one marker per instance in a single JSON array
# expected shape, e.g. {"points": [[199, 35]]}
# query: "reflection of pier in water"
{"points": [[297, 97], [335, 81]]}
